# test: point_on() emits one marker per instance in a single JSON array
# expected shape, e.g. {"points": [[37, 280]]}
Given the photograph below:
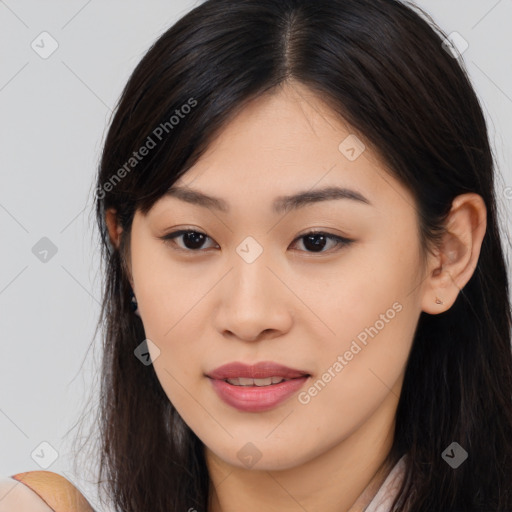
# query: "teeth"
{"points": [[243, 381]]}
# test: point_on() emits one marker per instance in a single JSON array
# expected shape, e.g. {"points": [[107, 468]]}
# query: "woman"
{"points": [[303, 191]]}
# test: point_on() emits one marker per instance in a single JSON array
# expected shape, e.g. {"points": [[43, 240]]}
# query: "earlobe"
{"points": [[114, 229], [457, 258]]}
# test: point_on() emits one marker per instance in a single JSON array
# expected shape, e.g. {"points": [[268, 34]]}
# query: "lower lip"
{"points": [[257, 398]]}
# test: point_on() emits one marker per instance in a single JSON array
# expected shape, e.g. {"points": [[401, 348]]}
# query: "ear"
{"points": [[455, 261], [114, 229]]}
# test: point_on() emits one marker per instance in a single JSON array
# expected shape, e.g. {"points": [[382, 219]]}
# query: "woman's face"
{"points": [[255, 288]]}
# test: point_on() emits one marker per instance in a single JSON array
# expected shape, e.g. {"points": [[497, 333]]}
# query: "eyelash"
{"points": [[341, 241]]}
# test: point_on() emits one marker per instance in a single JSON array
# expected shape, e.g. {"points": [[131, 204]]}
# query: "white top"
{"points": [[389, 489]]}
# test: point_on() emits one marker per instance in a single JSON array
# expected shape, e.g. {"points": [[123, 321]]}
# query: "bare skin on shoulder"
{"points": [[41, 491]]}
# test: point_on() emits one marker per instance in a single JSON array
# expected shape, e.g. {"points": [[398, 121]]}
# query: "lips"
{"points": [[258, 395], [261, 370]]}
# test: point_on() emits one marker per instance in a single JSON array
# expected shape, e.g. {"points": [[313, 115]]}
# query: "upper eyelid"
{"points": [[314, 231]]}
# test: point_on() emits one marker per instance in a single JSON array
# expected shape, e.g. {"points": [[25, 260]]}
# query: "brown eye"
{"points": [[315, 241], [192, 240]]}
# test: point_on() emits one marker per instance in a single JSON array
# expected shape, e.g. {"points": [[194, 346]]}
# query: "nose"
{"points": [[253, 303]]}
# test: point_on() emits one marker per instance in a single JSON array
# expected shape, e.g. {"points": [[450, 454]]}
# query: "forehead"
{"points": [[287, 142]]}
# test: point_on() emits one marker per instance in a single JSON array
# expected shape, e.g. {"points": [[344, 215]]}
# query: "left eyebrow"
{"points": [[280, 205]]}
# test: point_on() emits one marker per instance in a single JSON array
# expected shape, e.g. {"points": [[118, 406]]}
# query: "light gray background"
{"points": [[54, 114]]}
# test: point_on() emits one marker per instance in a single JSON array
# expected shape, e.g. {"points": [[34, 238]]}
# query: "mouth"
{"points": [[264, 373], [269, 381], [251, 392]]}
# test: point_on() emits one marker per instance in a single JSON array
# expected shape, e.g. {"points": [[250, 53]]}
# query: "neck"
{"points": [[372, 488]]}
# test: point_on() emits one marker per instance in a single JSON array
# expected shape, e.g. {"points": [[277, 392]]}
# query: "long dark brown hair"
{"points": [[380, 65]]}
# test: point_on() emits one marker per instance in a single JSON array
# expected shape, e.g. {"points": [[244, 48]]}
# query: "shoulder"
{"points": [[14, 496], [41, 491]]}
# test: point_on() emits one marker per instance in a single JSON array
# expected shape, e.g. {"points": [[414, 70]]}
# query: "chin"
{"points": [[263, 455]]}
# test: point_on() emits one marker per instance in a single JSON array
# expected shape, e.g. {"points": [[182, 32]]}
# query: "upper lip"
{"points": [[261, 370]]}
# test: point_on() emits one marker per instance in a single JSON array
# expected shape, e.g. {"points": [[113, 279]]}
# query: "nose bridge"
{"points": [[250, 267], [249, 301]]}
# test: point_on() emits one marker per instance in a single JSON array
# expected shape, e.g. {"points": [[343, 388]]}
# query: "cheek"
{"points": [[367, 284], [371, 311], [162, 291], [363, 363]]}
